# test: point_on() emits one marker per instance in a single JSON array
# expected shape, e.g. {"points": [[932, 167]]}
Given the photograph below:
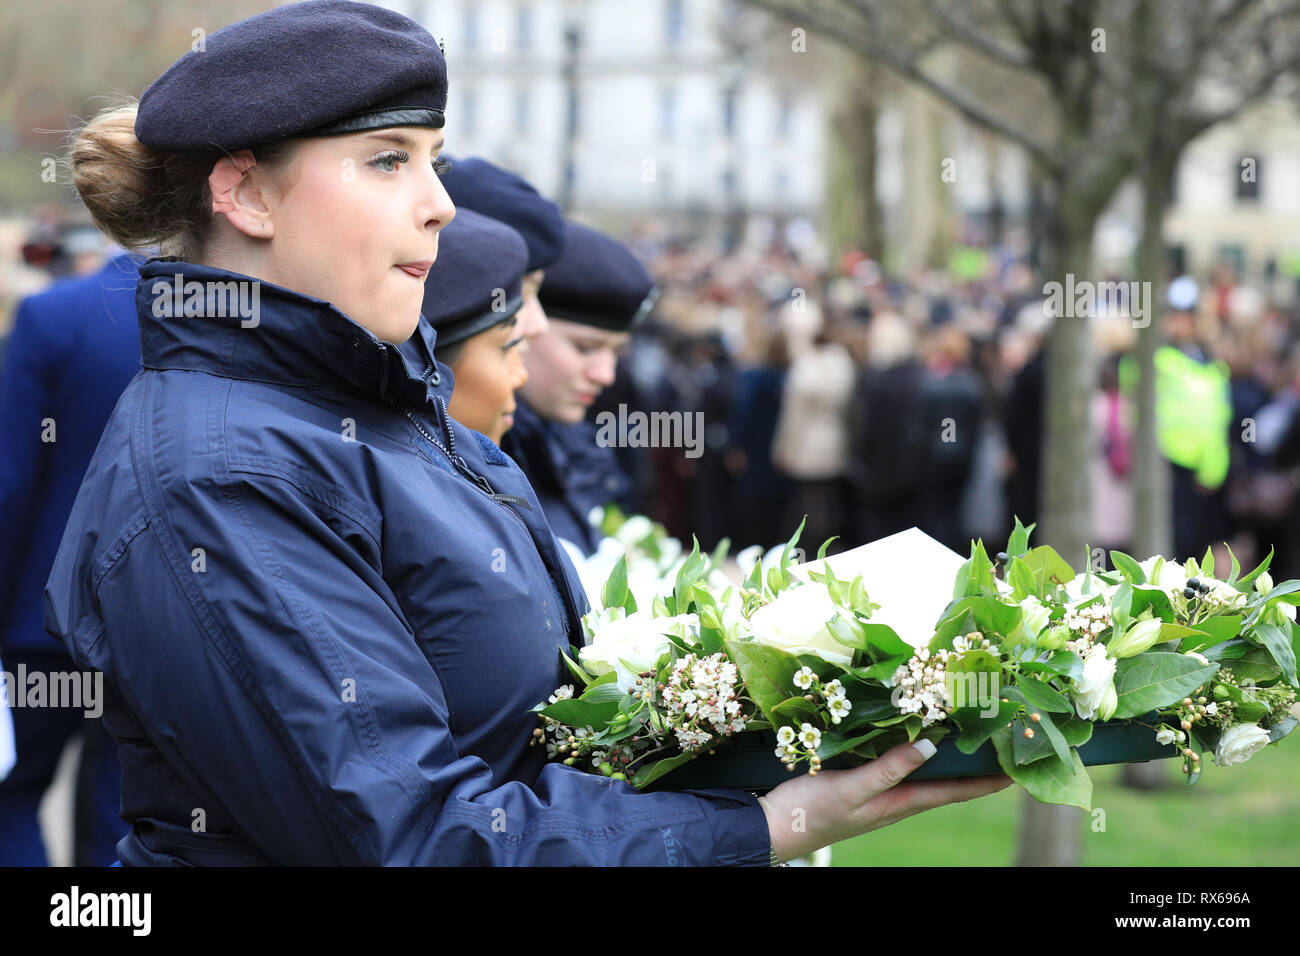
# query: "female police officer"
{"points": [[321, 611]]}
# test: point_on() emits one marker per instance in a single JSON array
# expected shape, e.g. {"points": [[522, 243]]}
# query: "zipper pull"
{"points": [[513, 500]]}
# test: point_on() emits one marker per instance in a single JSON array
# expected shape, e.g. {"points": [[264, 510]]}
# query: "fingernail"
{"points": [[926, 748]]}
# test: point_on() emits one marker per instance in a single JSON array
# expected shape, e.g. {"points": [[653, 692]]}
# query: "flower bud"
{"points": [[1138, 638], [1109, 704], [1264, 583]]}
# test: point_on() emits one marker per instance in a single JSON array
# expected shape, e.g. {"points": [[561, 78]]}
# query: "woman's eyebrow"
{"points": [[402, 139]]}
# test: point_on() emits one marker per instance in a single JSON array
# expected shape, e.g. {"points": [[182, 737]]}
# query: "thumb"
{"points": [[891, 767]]}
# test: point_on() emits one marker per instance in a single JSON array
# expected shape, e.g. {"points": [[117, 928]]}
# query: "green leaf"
{"points": [[883, 670], [1022, 580], [1075, 730], [1153, 680], [1046, 742], [1039, 695], [1257, 665], [976, 728], [1282, 728], [582, 713], [1061, 663], [579, 675], [1228, 650], [1048, 567], [794, 711], [651, 772], [1279, 645], [1018, 543], [1207, 562], [885, 639], [836, 743], [1213, 630], [768, 673], [821, 552], [1128, 567], [1048, 781], [615, 593], [1236, 568], [1245, 584]]}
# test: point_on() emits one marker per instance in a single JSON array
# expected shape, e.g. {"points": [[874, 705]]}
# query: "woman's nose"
{"points": [[440, 210]]}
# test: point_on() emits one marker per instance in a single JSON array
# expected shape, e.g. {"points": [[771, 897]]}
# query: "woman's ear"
{"points": [[239, 197]]}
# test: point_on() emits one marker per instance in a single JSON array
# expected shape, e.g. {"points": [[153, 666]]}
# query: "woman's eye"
{"points": [[388, 161], [512, 343], [441, 166]]}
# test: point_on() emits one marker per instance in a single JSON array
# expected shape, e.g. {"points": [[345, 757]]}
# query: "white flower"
{"points": [[795, 622], [1211, 708], [803, 678], [809, 736], [561, 693], [634, 530], [1264, 583], [785, 736], [1166, 575], [1097, 683], [839, 708], [632, 644], [1034, 615], [1165, 736], [1239, 743], [834, 689], [1199, 656]]}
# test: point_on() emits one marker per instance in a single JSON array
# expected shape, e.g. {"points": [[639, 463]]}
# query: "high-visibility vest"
{"points": [[1193, 411]]}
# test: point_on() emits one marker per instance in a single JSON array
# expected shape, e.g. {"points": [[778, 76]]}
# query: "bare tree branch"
{"points": [[973, 38], [866, 41]]}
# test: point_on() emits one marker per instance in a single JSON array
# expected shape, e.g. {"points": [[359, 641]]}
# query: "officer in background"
{"points": [[476, 184], [593, 296], [472, 298], [73, 349]]}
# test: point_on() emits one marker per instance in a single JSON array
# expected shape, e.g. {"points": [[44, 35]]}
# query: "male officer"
{"points": [[594, 294], [74, 348]]}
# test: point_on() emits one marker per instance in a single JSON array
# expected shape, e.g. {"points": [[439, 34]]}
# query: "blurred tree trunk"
{"points": [[855, 217]]}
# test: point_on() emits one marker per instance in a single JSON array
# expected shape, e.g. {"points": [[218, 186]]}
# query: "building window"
{"points": [[523, 109], [468, 104], [524, 27], [1247, 173], [674, 23], [471, 26], [668, 113], [784, 109]]}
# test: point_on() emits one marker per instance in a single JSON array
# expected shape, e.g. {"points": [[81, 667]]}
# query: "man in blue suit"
{"points": [[73, 349]]}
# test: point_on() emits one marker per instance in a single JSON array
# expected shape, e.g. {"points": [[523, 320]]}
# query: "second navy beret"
{"points": [[479, 185], [320, 67]]}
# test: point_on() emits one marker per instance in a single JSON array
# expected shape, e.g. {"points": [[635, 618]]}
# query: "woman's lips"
{"points": [[417, 269]]}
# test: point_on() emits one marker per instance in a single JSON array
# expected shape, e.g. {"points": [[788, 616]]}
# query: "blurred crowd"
{"points": [[873, 402]]}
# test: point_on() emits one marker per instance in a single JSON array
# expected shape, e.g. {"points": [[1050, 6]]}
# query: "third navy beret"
{"points": [[479, 185], [597, 281], [316, 68]]}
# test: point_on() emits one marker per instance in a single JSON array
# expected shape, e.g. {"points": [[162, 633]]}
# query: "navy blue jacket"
{"points": [[570, 472], [320, 632], [73, 348]]}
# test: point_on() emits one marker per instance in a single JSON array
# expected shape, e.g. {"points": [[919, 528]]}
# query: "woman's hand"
{"points": [[807, 813]]}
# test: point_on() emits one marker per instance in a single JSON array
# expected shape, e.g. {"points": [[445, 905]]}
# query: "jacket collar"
{"points": [[192, 318]]}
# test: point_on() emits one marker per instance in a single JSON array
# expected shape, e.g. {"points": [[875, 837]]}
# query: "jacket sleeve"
{"points": [[26, 398], [274, 668]]}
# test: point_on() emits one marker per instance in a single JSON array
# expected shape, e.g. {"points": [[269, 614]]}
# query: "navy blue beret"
{"points": [[317, 68], [597, 281], [477, 184], [476, 280]]}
